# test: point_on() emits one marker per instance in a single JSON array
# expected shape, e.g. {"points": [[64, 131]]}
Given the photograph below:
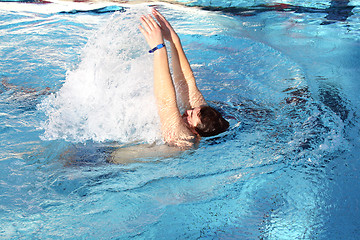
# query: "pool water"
{"points": [[76, 86]]}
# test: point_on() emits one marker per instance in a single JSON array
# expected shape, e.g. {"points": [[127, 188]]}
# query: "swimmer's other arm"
{"points": [[183, 74]]}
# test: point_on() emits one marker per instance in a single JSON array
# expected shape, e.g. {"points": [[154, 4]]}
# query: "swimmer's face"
{"points": [[191, 117]]}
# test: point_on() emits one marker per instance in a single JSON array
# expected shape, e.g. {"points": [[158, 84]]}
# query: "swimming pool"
{"points": [[75, 77]]}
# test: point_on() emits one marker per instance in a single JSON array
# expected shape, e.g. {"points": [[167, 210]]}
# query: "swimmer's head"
{"points": [[206, 121]]}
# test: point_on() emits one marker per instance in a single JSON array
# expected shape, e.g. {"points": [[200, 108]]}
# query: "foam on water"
{"points": [[109, 96]]}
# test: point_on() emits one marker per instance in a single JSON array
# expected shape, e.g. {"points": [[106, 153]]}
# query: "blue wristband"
{"points": [[161, 45]]}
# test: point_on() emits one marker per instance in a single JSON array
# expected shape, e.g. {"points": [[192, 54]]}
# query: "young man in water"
{"points": [[199, 120]]}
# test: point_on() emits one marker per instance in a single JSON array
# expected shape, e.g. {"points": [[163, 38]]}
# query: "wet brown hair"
{"points": [[211, 122]]}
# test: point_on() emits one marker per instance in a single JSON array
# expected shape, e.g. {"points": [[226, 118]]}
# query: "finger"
{"points": [[148, 22], [156, 11], [142, 30], [152, 21], [159, 15], [145, 24], [161, 21], [163, 24]]}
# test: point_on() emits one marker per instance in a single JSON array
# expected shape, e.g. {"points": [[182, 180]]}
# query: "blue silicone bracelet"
{"points": [[161, 45]]}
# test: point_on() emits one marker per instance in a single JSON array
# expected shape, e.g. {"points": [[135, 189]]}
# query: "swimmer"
{"points": [[199, 120]]}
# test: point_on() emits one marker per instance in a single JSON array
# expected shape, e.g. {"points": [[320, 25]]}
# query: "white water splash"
{"points": [[109, 97]]}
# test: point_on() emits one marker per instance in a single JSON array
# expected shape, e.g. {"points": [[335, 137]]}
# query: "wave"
{"points": [[109, 96]]}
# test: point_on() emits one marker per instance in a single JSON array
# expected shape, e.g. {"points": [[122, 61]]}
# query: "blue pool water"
{"points": [[76, 87]]}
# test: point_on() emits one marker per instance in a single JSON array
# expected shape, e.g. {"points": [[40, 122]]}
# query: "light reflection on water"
{"points": [[284, 170]]}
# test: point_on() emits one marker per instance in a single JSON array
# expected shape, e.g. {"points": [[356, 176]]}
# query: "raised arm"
{"points": [[183, 74], [173, 128]]}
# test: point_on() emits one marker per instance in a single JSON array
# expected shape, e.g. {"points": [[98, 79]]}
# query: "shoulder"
{"points": [[181, 137]]}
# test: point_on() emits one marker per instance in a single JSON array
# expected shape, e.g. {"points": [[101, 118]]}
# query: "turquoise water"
{"points": [[76, 86]]}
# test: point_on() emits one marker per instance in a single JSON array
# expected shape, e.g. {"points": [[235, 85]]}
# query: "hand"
{"points": [[166, 28], [151, 31]]}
